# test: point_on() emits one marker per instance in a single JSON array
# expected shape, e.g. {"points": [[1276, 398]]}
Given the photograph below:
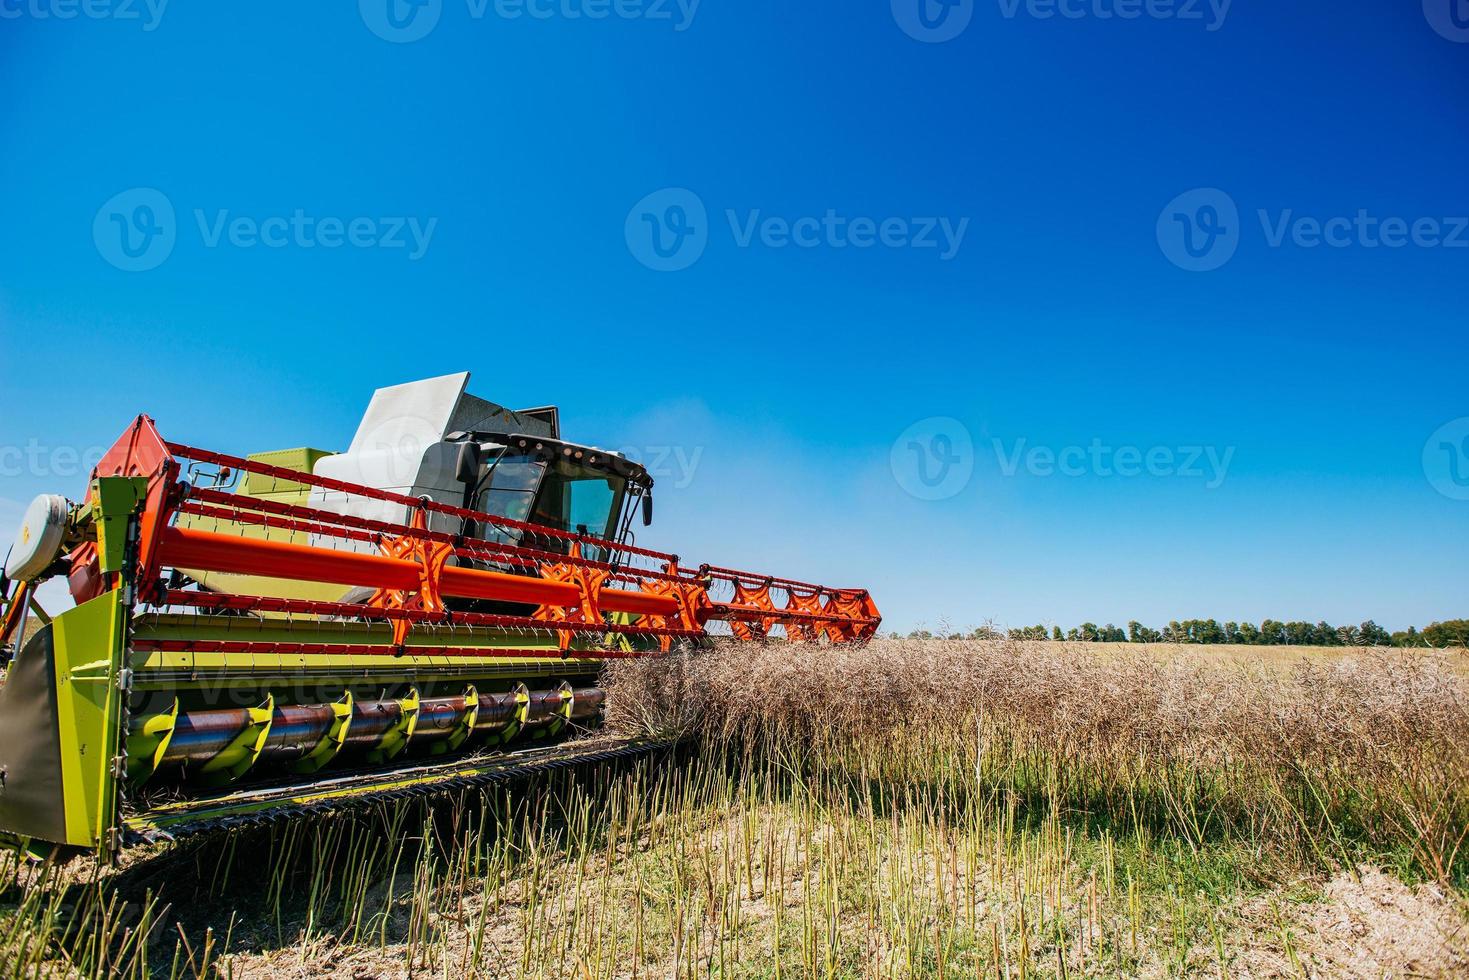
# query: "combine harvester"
{"points": [[300, 630]]}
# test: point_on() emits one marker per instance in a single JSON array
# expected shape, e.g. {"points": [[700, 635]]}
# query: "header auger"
{"points": [[301, 629]]}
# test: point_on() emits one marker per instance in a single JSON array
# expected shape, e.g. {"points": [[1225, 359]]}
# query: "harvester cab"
{"points": [[259, 637], [432, 438]]}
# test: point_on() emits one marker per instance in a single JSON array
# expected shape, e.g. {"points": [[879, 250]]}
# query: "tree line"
{"points": [[1270, 632]]}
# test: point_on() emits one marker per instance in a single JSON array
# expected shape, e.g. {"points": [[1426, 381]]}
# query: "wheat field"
{"points": [[906, 809]]}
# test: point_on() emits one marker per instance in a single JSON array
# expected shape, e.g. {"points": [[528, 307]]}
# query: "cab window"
{"points": [[574, 498]]}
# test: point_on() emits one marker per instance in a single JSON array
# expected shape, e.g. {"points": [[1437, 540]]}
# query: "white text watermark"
{"points": [[147, 13], [405, 21], [1200, 230], [138, 229], [669, 230]]}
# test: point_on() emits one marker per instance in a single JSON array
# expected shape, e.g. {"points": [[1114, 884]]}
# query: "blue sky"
{"points": [[532, 143]]}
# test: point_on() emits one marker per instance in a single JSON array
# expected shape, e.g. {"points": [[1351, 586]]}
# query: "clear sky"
{"points": [[937, 300]]}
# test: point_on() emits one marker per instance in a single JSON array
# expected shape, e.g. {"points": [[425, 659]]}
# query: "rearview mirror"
{"points": [[647, 508], [466, 465]]}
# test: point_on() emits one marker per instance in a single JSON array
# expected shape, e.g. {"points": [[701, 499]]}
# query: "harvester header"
{"points": [[448, 587]]}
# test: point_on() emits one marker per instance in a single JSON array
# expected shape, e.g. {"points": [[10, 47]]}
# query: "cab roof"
{"points": [[547, 448]]}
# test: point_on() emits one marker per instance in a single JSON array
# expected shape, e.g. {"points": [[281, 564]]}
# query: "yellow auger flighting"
{"points": [[299, 630]]}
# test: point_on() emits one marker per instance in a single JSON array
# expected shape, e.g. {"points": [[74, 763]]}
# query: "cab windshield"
{"points": [[579, 499], [512, 488], [559, 493]]}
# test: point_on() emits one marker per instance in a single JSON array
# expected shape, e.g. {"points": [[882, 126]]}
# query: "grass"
{"points": [[907, 809]]}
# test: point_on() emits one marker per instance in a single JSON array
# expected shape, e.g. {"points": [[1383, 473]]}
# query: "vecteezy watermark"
{"points": [[1210, 13], [1446, 459], [834, 230], [1208, 463], [148, 13], [669, 229], [672, 466], [137, 230], [933, 458], [1200, 230], [1450, 18], [302, 230], [1362, 230], [35, 458], [404, 21], [400, 21], [933, 21]]}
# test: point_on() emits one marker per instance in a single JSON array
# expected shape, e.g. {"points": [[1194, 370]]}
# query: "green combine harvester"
{"points": [[295, 631]]}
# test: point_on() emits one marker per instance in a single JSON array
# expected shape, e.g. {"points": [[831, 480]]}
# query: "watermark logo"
{"points": [[837, 231], [679, 13], [667, 230], [149, 13], [1446, 459], [404, 21], [307, 231], [1362, 230], [669, 466], [401, 21], [37, 459], [933, 458], [1208, 463], [1210, 13], [1450, 18], [135, 230], [933, 21], [1199, 229]]}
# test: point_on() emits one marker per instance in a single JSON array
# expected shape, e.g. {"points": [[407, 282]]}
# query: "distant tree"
{"points": [[1372, 635], [920, 635], [1409, 638], [1138, 633], [1449, 633], [1270, 632]]}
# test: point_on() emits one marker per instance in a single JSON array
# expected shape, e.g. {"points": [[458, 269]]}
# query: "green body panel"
{"points": [[88, 642], [59, 722], [301, 460], [184, 671], [113, 501], [277, 490]]}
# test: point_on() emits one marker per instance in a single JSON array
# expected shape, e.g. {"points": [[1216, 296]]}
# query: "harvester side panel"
{"points": [[59, 727]]}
